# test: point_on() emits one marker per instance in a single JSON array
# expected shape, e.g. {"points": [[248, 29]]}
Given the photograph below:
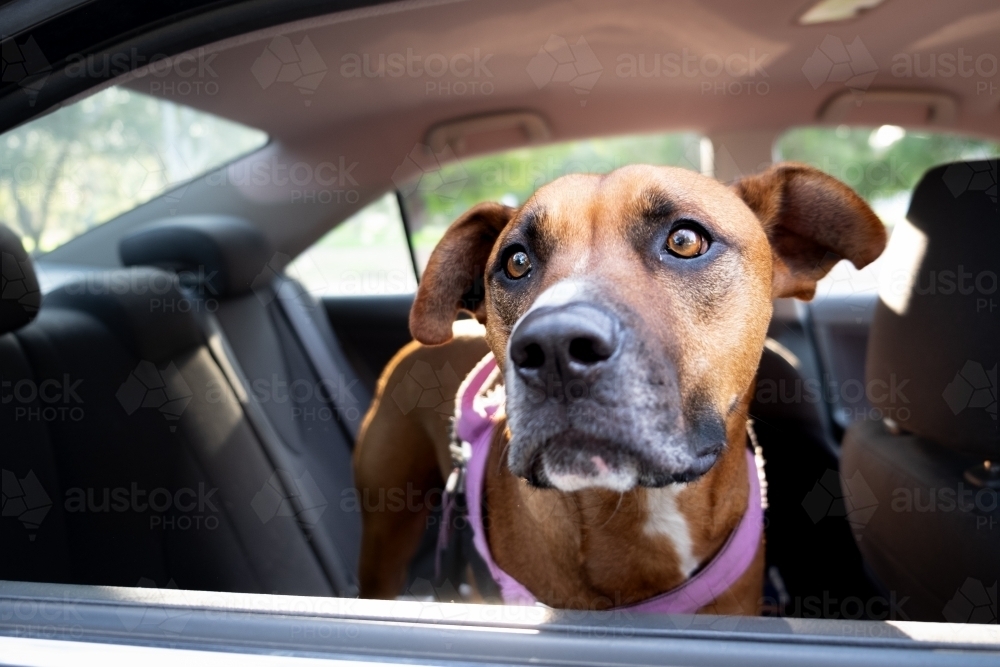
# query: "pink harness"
{"points": [[476, 416]]}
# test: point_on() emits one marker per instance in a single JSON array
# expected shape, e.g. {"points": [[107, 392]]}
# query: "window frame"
{"points": [[178, 186], [436, 633], [404, 216]]}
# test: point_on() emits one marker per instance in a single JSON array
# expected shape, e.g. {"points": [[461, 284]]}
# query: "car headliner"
{"points": [[377, 121], [380, 113]]}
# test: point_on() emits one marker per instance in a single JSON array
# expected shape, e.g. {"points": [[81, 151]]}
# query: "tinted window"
{"points": [[437, 198], [89, 162]]}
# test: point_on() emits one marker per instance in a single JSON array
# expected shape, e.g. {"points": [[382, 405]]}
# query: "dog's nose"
{"points": [[568, 341]]}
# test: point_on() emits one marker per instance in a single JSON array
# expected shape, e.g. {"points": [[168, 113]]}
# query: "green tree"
{"points": [[88, 162], [512, 176]]}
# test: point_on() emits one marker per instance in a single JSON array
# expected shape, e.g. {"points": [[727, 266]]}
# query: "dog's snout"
{"points": [[565, 340]]}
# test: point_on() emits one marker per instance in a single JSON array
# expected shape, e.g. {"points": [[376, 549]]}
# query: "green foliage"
{"points": [[882, 164], [878, 163], [512, 176], [378, 225], [86, 163]]}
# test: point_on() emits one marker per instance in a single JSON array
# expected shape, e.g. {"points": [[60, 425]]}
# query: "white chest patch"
{"points": [[666, 520]]}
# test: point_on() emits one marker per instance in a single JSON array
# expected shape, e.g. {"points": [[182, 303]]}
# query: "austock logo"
{"points": [[149, 387], [275, 498], [559, 62], [48, 400], [980, 502], [466, 73], [24, 499], [853, 500], [836, 62], [973, 387], [264, 287], [307, 183], [149, 170], [424, 387], [284, 62], [850, 608], [25, 65], [947, 66], [732, 74], [965, 177], [14, 285], [183, 509], [158, 617], [973, 603], [421, 171], [190, 73]]}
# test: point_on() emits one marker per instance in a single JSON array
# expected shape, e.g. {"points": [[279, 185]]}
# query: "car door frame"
{"points": [[164, 621]]}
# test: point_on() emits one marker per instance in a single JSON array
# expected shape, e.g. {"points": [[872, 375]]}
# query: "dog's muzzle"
{"points": [[587, 407]]}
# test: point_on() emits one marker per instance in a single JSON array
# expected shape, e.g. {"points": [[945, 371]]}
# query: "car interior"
{"points": [[199, 297]]}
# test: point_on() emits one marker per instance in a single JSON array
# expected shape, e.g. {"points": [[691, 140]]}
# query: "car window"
{"points": [[883, 164], [91, 161], [435, 199], [365, 255]]}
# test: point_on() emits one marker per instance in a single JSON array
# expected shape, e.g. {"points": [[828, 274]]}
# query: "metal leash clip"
{"points": [[461, 452]]}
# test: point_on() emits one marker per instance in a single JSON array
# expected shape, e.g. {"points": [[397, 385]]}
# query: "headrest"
{"points": [[221, 254], [20, 297], [932, 349], [143, 306]]}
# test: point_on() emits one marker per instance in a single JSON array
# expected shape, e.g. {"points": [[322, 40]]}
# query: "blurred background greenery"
{"points": [[882, 164], [511, 177], [368, 254], [90, 161]]}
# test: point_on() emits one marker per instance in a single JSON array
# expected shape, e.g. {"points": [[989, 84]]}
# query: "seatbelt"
{"points": [[276, 448], [295, 303]]}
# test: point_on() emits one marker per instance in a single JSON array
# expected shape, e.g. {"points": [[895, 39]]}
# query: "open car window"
{"points": [[438, 197], [882, 164], [86, 163], [365, 255], [242, 412]]}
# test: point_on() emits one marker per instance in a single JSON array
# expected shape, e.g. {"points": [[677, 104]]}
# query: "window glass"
{"points": [[367, 254], [84, 164], [437, 198], [883, 164]]}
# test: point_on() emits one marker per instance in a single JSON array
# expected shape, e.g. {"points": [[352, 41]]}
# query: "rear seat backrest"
{"points": [[171, 409], [931, 458], [160, 426], [32, 526], [309, 398]]}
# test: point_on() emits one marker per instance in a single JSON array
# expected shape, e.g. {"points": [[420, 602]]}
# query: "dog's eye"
{"points": [[518, 265], [687, 241]]}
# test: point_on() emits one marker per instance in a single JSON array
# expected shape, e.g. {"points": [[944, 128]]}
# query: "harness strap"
{"points": [[475, 418]]}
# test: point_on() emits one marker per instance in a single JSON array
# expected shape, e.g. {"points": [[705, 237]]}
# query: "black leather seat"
{"points": [[808, 541], [33, 529], [934, 536], [150, 469], [307, 415]]}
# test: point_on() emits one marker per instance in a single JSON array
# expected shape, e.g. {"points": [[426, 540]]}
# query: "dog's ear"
{"points": [[813, 221], [455, 273]]}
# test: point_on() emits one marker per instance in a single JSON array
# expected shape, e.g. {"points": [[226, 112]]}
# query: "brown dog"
{"points": [[649, 290]]}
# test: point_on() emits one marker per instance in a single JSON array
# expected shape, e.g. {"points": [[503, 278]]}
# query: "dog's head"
{"points": [[629, 311]]}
